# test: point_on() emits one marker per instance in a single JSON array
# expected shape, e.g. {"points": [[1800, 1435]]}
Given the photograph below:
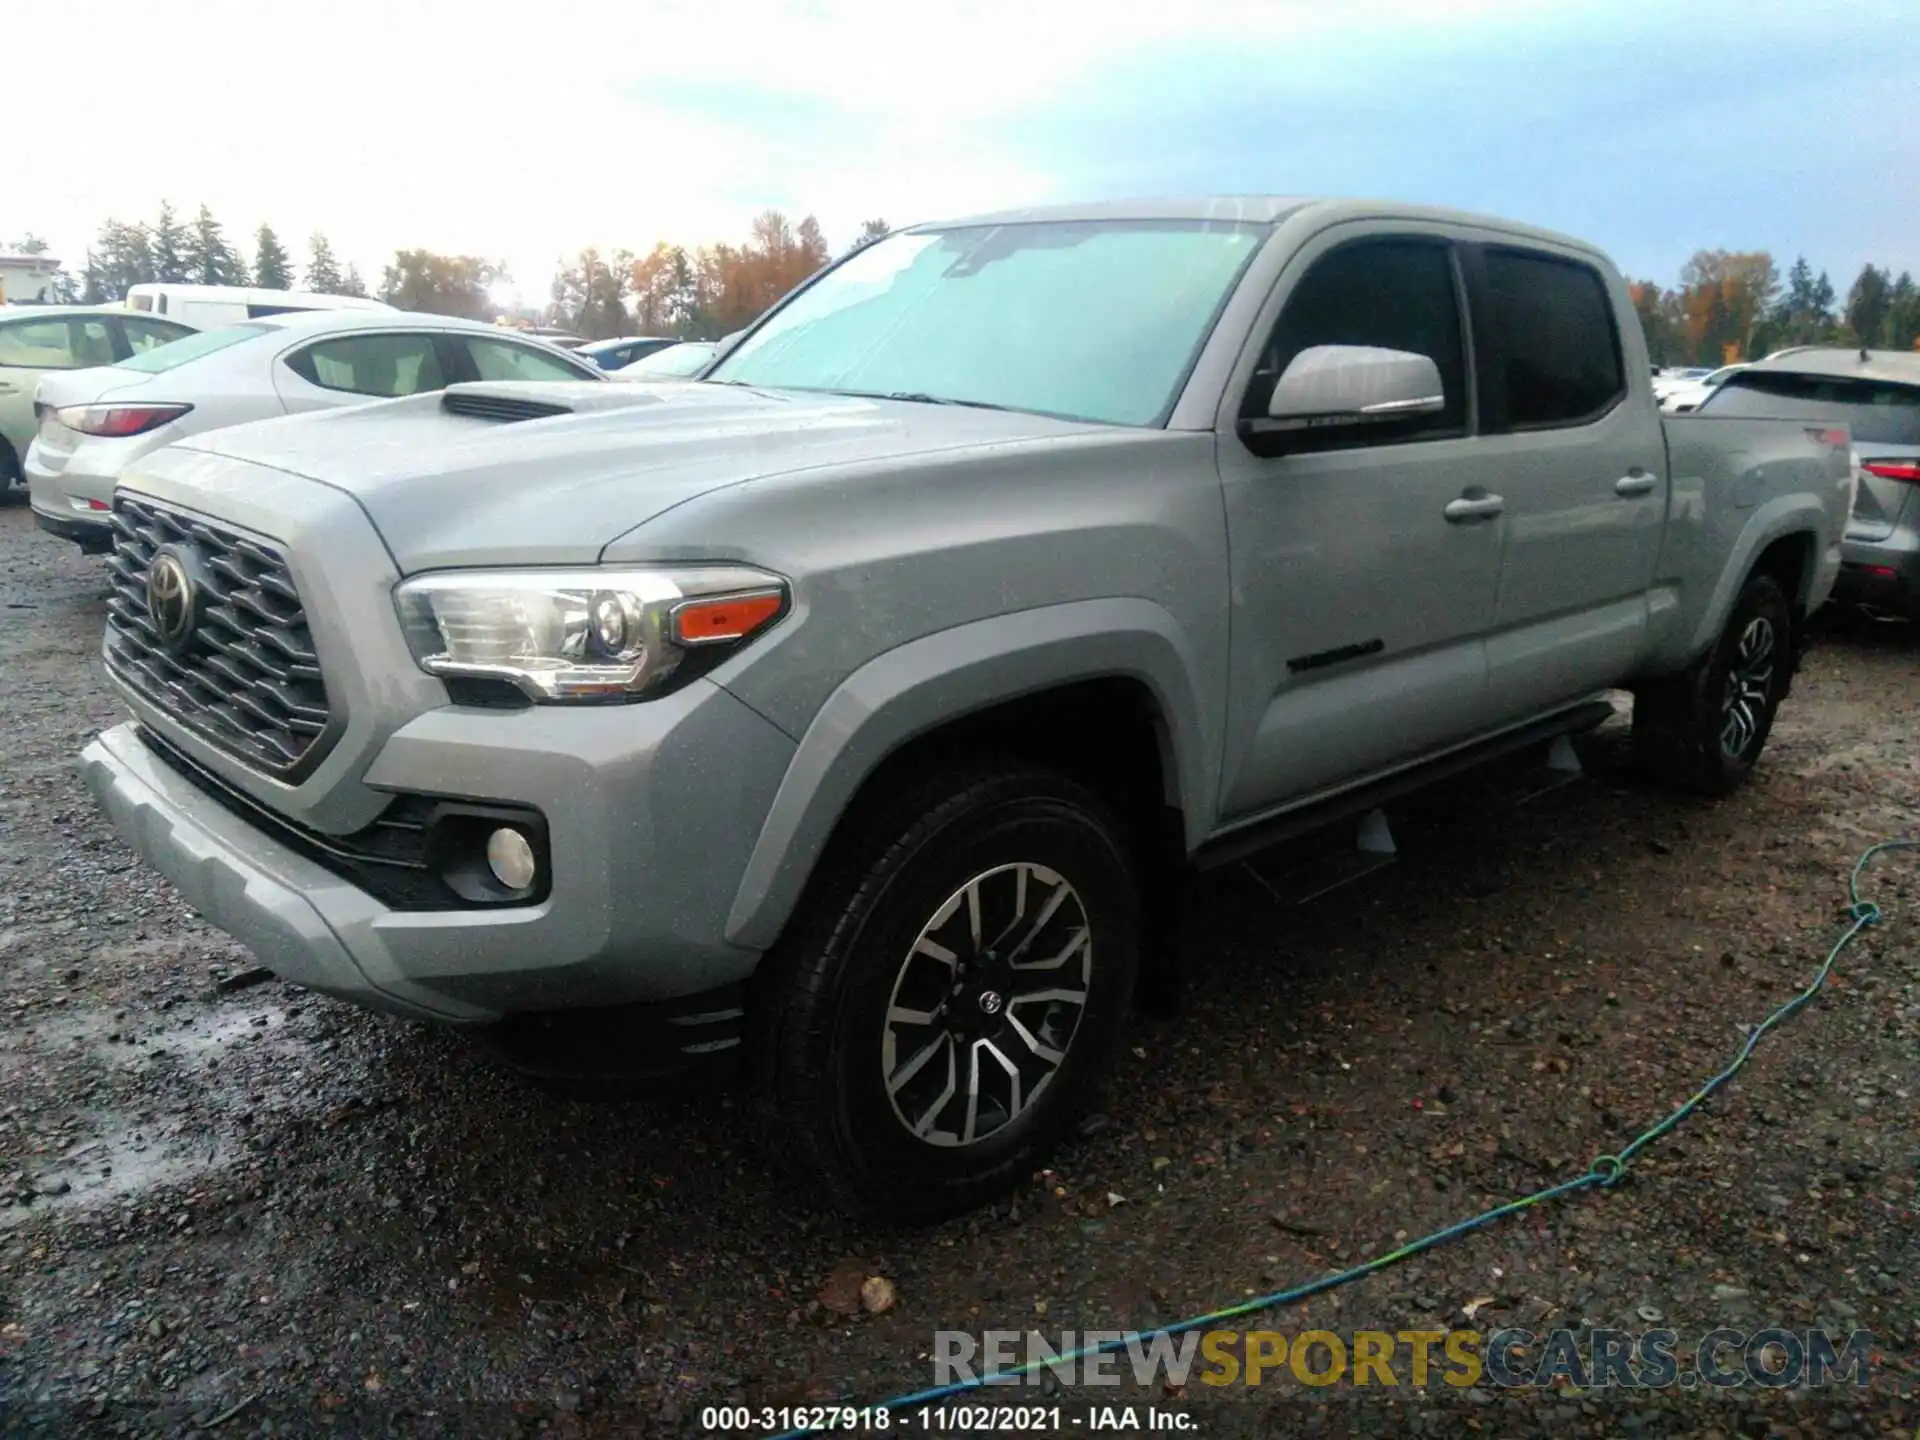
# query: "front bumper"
{"points": [[649, 834], [95, 537]]}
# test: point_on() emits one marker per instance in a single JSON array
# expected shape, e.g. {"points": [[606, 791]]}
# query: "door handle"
{"points": [[1638, 483], [1474, 507]]}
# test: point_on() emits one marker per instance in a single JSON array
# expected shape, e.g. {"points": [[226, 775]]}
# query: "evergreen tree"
{"points": [[323, 272], [168, 241], [1868, 303], [210, 260], [271, 267], [353, 284]]}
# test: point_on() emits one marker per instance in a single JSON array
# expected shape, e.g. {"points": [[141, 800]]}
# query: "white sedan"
{"points": [[94, 423]]}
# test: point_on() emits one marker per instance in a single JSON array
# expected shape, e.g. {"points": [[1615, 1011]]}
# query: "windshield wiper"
{"points": [[920, 397]]}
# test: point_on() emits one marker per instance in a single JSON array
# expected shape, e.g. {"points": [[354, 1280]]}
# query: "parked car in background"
{"points": [[1687, 395], [92, 423], [562, 339], [863, 709], [679, 361], [205, 306], [612, 354], [37, 340], [1672, 377], [1876, 395]]}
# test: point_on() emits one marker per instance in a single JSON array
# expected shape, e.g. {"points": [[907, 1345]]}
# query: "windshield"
{"points": [[1876, 411], [1090, 320], [674, 361], [175, 353]]}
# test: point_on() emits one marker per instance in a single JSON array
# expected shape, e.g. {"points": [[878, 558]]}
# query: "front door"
{"points": [[1362, 588]]}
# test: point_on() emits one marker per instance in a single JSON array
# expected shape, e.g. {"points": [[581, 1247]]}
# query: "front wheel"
{"points": [[951, 993], [1705, 728]]}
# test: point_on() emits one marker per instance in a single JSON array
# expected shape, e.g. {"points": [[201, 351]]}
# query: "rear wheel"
{"points": [[10, 472], [1705, 728], [951, 994]]}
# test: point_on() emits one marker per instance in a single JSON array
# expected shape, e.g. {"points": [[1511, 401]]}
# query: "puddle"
{"points": [[119, 1164], [160, 1092]]}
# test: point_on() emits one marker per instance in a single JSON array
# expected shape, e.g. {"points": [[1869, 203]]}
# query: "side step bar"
{"points": [[1319, 814]]}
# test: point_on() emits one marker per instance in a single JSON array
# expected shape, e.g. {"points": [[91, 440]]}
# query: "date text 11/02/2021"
{"points": [[945, 1419]]}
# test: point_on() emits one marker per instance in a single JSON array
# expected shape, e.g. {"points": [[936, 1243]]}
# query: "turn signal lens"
{"points": [[733, 617]]}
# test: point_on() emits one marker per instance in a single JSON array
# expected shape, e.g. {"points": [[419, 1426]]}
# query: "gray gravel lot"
{"points": [[257, 1198]]}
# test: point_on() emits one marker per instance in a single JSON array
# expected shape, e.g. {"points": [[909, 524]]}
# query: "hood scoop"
{"points": [[508, 401]]}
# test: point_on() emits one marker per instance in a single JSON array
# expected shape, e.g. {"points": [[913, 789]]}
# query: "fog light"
{"points": [[510, 857]]}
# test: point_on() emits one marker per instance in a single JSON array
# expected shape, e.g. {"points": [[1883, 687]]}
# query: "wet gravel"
{"points": [[244, 1209]]}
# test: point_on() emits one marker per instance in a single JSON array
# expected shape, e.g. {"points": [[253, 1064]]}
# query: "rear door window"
{"points": [[504, 360], [1552, 348], [143, 335], [162, 358], [1878, 412], [384, 366]]}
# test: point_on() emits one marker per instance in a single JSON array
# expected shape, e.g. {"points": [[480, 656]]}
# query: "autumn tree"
{"points": [[323, 271], [1868, 301], [1660, 322], [206, 255], [440, 284], [272, 270], [1724, 296]]}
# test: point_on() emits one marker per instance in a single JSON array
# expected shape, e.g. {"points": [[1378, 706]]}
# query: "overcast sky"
{"points": [[522, 131]]}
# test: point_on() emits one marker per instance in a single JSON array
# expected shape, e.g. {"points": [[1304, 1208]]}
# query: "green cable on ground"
{"points": [[1605, 1171]]}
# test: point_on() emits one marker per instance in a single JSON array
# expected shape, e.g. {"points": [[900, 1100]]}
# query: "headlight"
{"points": [[584, 635]]}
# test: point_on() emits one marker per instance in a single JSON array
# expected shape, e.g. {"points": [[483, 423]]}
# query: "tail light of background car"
{"points": [[1907, 470], [118, 421]]}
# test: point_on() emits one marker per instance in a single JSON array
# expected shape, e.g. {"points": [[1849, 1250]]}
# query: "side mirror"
{"points": [[1353, 384]]}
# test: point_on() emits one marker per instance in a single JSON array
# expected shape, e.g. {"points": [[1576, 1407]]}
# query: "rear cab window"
{"points": [[1548, 341]]}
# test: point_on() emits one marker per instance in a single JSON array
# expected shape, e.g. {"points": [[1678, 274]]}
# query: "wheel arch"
{"points": [[1100, 689]]}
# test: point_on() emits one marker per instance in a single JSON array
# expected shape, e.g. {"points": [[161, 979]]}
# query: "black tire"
{"points": [[852, 962], [1685, 729], [10, 472]]}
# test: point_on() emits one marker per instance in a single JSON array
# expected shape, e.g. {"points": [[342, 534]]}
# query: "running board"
{"points": [[1563, 765], [1373, 850], [1319, 814]]}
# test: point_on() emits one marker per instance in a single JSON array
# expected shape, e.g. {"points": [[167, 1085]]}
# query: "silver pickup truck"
{"points": [[854, 711]]}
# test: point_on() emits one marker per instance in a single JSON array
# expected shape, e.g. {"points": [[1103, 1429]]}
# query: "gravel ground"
{"points": [[252, 1210]]}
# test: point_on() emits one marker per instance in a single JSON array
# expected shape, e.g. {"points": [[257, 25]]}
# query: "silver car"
{"points": [[93, 423], [1876, 394]]}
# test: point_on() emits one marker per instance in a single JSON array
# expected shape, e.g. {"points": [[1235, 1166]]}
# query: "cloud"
{"points": [[524, 132]]}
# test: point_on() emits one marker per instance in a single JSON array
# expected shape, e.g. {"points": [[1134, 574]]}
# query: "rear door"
{"points": [[1573, 443], [29, 347]]}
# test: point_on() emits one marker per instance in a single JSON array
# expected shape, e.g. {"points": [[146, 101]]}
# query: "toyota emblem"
{"points": [[990, 1002], [171, 598]]}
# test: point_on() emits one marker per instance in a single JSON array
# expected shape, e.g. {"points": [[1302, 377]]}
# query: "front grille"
{"points": [[245, 677]]}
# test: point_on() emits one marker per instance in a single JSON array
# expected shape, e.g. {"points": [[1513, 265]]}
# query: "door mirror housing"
{"points": [[1353, 385]]}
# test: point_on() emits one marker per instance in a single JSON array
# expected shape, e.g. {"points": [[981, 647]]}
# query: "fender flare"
{"points": [[1776, 520], [920, 686]]}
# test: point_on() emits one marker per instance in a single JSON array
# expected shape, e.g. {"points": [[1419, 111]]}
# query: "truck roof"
{"points": [[1850, 361], [1259, 209]]}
